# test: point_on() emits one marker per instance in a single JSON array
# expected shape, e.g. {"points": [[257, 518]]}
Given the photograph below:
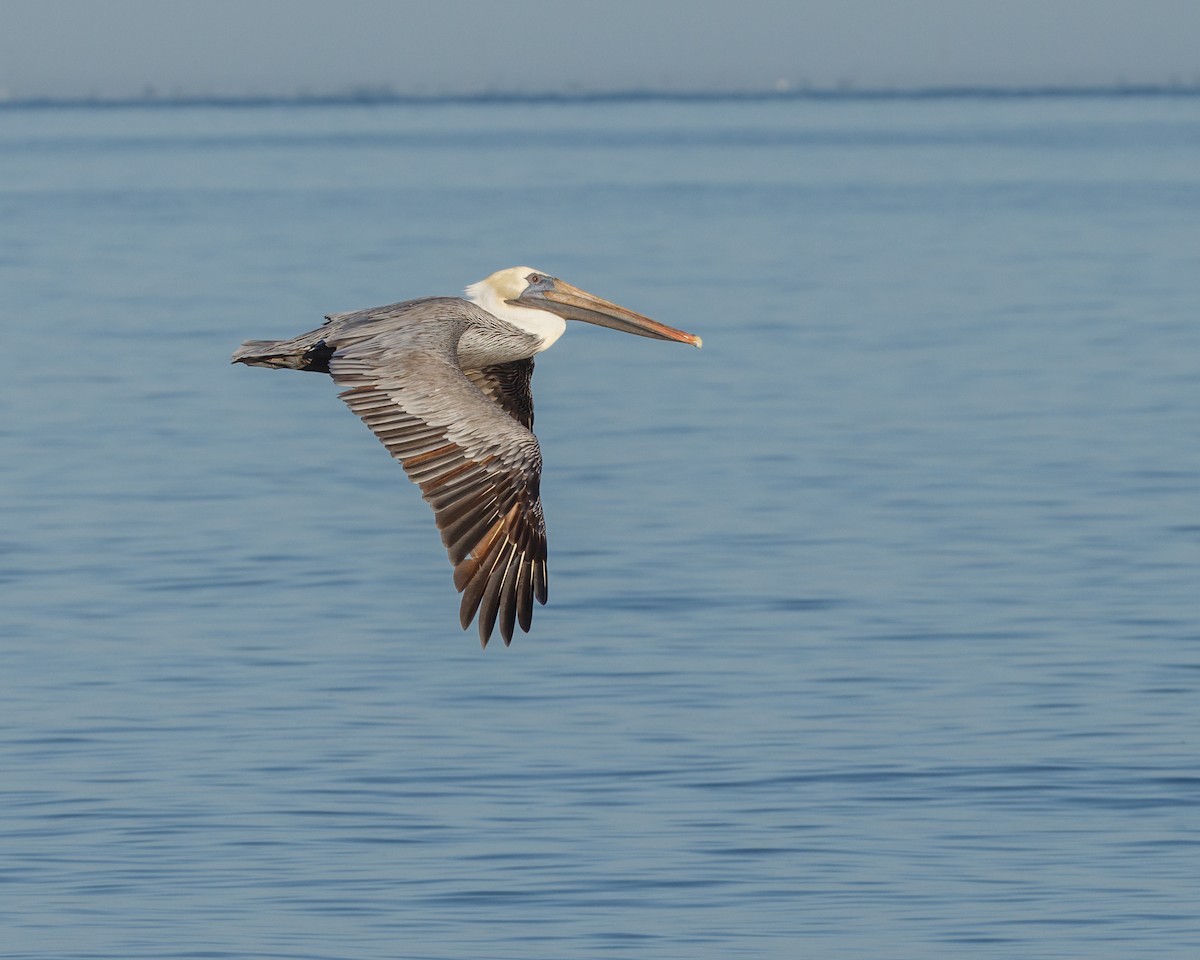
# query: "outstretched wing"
{"points": [[468, 446]]}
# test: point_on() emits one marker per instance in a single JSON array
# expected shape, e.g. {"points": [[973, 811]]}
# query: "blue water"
{"points": [[874, 626]]}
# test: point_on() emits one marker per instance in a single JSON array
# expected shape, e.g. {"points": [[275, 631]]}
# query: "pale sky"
{"points": [[121, 47]]}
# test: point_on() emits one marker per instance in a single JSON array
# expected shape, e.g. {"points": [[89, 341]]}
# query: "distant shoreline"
{"points": [[385, 96]]}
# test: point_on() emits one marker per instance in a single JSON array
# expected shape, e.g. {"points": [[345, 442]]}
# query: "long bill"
{"points": [[572, 303]]}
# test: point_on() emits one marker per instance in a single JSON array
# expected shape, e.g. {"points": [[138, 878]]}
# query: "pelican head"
{"points": [[513, 293]]}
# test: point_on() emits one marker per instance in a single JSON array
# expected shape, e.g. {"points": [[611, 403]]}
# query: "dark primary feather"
{"points": [[463, 436]]}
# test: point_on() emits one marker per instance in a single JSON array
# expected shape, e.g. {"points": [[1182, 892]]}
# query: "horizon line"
{"points": [[383, 95]]}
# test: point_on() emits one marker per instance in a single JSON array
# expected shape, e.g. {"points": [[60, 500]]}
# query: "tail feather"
{"points": [[298, 354], [259, 353]]}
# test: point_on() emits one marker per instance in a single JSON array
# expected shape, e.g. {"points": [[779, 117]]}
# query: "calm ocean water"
{"points": [[874, 626]]}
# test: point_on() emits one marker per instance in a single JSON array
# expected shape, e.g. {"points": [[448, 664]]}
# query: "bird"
{"points": [[444, 384]]}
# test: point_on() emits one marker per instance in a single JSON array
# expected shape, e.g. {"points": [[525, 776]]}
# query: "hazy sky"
{"points": [[120, 47]]}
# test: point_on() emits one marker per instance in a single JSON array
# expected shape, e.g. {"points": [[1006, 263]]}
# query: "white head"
{"points": [[497, 293], [538, 303]]}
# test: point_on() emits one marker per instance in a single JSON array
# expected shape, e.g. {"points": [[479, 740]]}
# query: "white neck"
{"points": [[543, 324]]}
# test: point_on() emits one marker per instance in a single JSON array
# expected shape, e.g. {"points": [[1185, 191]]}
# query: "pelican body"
{"points": [[444, 383]]}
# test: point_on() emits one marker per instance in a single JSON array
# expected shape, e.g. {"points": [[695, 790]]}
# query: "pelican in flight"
{"points": [[443, 382]]}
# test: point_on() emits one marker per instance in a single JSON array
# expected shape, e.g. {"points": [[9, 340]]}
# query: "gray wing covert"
{"points": [[477, 465]]}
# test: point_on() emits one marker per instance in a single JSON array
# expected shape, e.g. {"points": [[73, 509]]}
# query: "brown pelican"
{"points": [[444, 382]]}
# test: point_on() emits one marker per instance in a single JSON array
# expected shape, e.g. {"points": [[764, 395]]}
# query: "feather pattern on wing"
{"points": [[463, 436], [508, 384]]}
